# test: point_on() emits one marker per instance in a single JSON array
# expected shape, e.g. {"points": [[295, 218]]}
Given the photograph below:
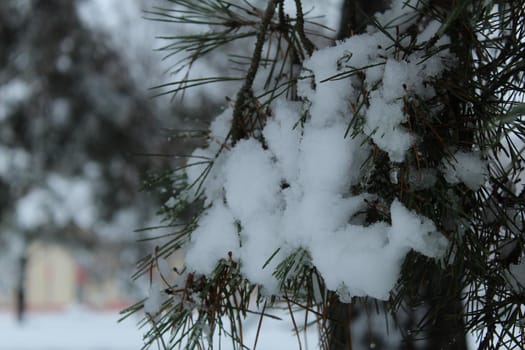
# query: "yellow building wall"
{"points": [[51, 276], [55, 280]]}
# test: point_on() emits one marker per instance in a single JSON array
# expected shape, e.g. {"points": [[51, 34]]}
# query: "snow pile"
{"points": [[153, 303], [76, 328], [264, 203], [466, 167]]}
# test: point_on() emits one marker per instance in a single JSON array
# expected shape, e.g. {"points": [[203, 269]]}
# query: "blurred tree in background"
{"points": [[74, 128]]}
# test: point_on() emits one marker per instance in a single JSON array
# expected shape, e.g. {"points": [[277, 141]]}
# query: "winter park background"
{"points": [[75, 111], [189, 217], [74, 115]]}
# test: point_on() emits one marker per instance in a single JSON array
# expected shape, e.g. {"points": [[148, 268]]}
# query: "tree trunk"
{"points": [[355, 16], [20, 288], [447, 332], [340, 316]]}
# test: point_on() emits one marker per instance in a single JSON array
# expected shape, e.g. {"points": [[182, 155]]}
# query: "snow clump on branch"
{"points": [[295, 192]]}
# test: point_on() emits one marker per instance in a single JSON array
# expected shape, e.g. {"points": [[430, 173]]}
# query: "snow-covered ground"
{"points": [[74, 329], [81, 329]]}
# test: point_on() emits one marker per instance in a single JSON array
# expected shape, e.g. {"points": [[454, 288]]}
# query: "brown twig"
{"points": [[245, 96]]}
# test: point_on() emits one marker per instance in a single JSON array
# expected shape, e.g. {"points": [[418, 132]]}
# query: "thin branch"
{"points": [[308, 45], [245, 95]]}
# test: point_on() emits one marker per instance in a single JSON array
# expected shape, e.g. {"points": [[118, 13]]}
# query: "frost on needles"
{"points": [[296, 189]]}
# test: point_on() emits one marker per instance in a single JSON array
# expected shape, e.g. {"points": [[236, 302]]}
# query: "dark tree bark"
{"points": [[356, 14], [21, 306], [340, 316], [447, 332]]}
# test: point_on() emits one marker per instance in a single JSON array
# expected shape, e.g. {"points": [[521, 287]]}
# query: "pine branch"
{"points": [[245, 97], [308, 45], [474, 110]]}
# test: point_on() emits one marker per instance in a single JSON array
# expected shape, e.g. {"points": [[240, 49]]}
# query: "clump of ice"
{"points": [[212, 240], [295, 192], [390, 79], [465, 167], [153, 303], [367, 260], [383, 124]]}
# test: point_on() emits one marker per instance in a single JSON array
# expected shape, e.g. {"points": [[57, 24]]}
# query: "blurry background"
{"points": [[79, 134], [76, 120]]}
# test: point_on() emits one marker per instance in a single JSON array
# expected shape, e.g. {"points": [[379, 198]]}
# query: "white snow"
{"points": [[383, 125], [284, 138], [366, 260], [212, 240], [76, 328], [401, 15], [242, 178], [219, 129], [466, 167], [328, 161], [295, 193], [153, 303], [389, 79], [164, 268], [83, 329]]}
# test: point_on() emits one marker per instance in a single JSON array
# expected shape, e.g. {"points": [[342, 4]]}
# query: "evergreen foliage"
{"points": [[477, 109]]}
